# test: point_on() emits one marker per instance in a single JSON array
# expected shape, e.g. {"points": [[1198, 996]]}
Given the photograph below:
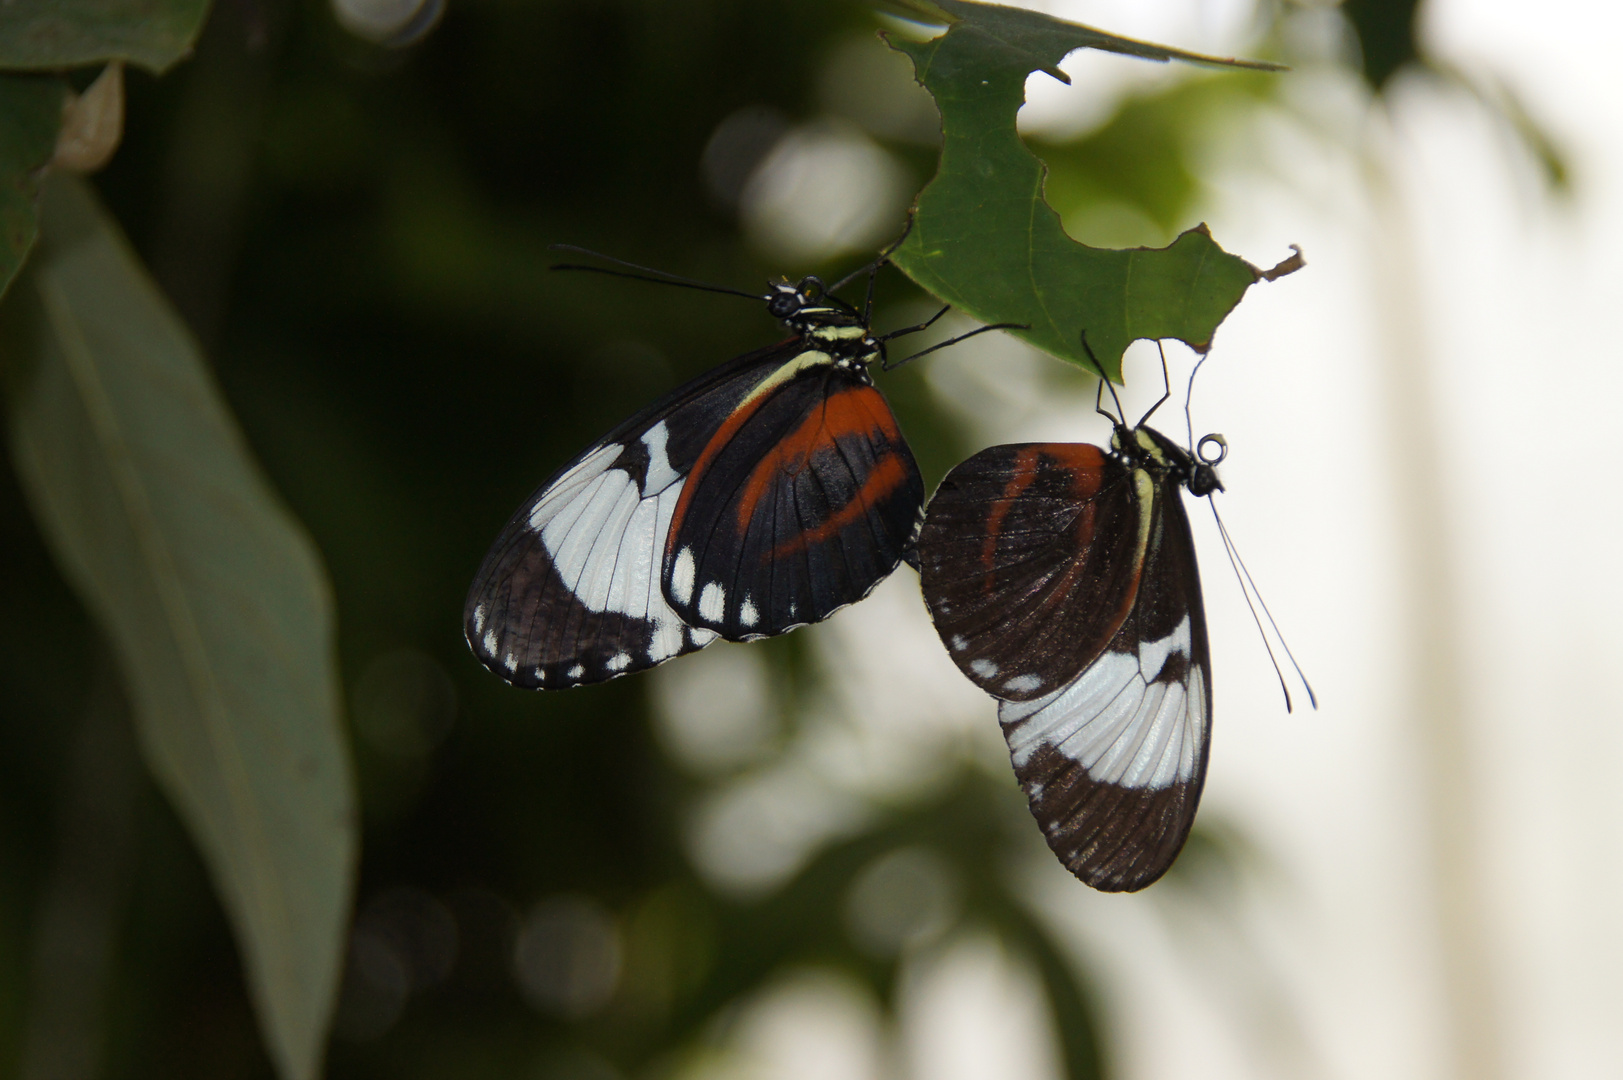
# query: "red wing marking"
{"points": [[1086, 464], [885, 478], [846, 413], [1086, 461], [1023, 475], [724, 434]]}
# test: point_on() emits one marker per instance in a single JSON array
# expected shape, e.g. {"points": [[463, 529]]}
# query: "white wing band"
{"points": [[1117, 720]]}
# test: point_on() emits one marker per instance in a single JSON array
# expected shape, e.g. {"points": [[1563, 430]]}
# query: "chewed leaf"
{"points": [[985, 241], [212, 596]]}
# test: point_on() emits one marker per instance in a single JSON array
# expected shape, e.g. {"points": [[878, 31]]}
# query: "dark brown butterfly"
{"points": [[1062, 579]]}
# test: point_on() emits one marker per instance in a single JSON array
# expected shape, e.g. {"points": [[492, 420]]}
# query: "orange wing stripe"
{"points": [[847, 413], [720, 439], [885, 478], [857, 410], [1086, 463]]}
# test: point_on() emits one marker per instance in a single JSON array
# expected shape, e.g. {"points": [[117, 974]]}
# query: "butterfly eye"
{"points": [[1215, 457]]}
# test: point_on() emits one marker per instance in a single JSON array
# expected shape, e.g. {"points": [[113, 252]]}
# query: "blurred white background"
{"points": [[1421, 427]]}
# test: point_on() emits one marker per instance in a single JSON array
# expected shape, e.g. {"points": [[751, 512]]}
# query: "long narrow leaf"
{"points": [[213, 596]]}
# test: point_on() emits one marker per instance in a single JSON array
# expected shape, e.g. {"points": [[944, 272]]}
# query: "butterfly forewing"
{"points": [[571, 592], [1113, 763], [804, 500], [1029, 559]]}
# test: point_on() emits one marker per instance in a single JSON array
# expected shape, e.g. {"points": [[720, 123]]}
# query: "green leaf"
{"points": [[30, 113], [984, 239], [213, 597], [50, 34]]}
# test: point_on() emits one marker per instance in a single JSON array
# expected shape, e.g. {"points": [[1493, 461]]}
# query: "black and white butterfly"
{"points": [[763, 495], [1062, 579]]}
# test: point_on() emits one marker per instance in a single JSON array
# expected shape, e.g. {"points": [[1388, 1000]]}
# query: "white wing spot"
{"points": [[712, 602], [682, 576], [573, 673], [1023, 684], [667, 641], [983, 667], [479, 619], [958, 643], [660, 475], [509, 662], [747, 613], [618, 662], [490, 642]]}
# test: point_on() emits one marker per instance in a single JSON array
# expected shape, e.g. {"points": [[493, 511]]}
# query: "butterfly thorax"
{"points": [[824, 323], [1167, 462]]}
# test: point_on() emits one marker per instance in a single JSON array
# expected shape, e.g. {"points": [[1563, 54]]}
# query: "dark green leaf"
{"points": [[985, 241], [30, 113], [49, 34], [213, 597]]}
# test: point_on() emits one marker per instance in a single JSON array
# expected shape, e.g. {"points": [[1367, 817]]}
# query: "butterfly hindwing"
{"points": [[571, 592], [804, 500], [1062, 579], [1030, 558], [1113, 763]]}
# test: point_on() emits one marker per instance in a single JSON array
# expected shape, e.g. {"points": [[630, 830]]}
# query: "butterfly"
{"points": [[1062, 579], [765, 494]]}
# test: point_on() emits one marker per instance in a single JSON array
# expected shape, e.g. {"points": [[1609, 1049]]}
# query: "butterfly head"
{"points": [[804, 305], [1202, 480], [1149, 449]]}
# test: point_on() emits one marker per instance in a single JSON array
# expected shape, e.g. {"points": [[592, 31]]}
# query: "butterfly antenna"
{"points": [[1166, 383], [1246, 580], [1189, 394], [888, 366], [1120, 419], [1228, 549], [643, 273], [872, 269]]}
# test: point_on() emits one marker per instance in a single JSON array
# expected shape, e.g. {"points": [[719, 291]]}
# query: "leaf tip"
{"points": [[1289, 265], [92, 123]]}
